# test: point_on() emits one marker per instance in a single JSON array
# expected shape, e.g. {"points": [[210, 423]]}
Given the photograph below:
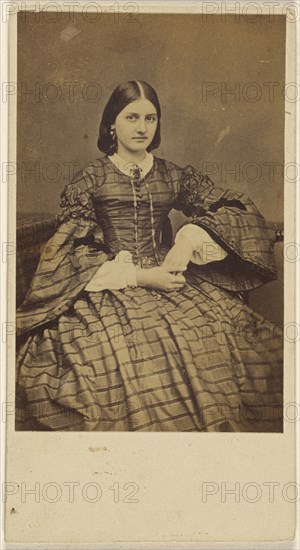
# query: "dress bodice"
{"points": [[123, 208]]}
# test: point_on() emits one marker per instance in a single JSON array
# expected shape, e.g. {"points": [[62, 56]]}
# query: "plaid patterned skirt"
{"points": [[194, 359]]}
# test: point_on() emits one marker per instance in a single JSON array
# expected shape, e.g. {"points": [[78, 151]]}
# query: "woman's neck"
{"points": [[128, 156]]}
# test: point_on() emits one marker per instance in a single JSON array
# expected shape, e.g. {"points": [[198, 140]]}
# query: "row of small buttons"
{"points": [[139, 194]]}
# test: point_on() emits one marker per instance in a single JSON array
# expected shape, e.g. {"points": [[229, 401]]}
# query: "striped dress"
{"points": [[194, 359]]}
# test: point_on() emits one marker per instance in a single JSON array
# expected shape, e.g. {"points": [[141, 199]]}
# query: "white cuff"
{"points": [[205, 249], [130, 269], [114, 274]]}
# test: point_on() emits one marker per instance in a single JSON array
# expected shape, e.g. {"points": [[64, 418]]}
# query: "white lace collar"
{"points": [[125, 166]]}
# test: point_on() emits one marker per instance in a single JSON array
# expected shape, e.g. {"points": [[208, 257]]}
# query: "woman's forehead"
{"points": [[141, 106]]}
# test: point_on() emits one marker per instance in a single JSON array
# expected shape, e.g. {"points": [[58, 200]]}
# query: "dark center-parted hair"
{"points": [[123, 95]]}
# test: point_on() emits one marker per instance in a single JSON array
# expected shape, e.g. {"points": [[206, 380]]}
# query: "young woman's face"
{"points": [[135, 126]]}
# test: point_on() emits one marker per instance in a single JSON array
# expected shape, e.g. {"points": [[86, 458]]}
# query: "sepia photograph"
{"points": [[150, 209]]}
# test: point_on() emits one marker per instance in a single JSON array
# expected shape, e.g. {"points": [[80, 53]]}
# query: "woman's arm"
{"points": [[205, 249], [67, 261], [233, 222], [193, 244]]}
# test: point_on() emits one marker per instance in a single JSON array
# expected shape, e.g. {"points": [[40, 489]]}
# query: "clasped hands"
{"points": [[169, 275]]}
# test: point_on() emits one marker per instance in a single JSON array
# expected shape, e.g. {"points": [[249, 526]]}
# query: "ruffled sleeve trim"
{"points": [[76, 198]]}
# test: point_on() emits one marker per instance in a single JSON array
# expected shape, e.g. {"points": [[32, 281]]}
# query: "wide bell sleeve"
{"points": [[68, 260], [236, 226]]}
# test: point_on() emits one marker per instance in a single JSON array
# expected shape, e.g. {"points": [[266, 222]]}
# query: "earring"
{"points": [[113, 138]]}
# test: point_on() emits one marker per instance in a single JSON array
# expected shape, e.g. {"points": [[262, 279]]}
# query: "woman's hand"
{"points": [[179, 255], [159, 278]]}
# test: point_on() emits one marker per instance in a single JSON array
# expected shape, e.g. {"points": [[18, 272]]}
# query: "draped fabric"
{"points": [[233, 220], [197, 359]]}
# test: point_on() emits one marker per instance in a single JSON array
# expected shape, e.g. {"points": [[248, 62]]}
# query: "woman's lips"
{"points": [[140, 138]]}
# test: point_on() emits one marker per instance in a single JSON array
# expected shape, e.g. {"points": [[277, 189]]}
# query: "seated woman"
{"points": [[118, 333]]}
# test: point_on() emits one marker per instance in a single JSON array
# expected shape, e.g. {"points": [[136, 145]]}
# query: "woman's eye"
{"points": [[151, 118], [131, 117]]}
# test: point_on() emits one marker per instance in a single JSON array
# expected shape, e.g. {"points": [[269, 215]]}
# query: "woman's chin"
{"points": [[140, 144], [138, 147]]}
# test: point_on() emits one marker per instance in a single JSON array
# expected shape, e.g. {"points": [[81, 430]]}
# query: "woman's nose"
{"points": [[141, 127]]}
